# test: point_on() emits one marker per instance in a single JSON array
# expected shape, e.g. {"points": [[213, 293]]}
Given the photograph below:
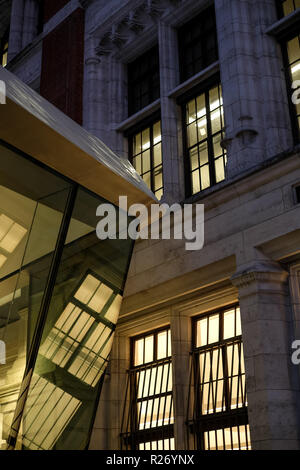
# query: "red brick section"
{"points": [[62, 66], [51, 7]]}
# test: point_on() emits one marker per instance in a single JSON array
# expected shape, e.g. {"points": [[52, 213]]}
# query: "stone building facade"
{"points": [[202, 98]]}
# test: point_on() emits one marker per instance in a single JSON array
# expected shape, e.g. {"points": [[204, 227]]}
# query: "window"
{"points": [[143, 81], [146, 156], [204, 130], [287, 6], [148, 413], [198, 47], [291, 53], [4, 50], [219, 413]]}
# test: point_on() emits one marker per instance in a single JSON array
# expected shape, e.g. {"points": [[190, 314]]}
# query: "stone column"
{"points": [[95, 95], [118, 104], [254, 90], [169, 79], [16, 28], [272, 386], [31, 15], [181, 346]]}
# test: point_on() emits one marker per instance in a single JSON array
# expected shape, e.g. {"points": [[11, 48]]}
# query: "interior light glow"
{"points": [[295, 68], [11, 233]]}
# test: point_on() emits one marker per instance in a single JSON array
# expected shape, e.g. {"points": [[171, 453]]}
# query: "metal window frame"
{"points": [[4, 40], [183, 100], [279, 7], [288, 79], [201, 423], [200, 39], [131, 436], [143, 77], [140, 127]]}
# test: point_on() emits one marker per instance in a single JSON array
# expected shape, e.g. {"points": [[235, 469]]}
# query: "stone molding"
{"points": [[259, 271]]}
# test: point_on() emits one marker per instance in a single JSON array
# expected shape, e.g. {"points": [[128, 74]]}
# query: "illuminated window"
{"points": [[204, 125], [198, 47], [219, 412], [143, 81], [148, 414], [288, 6], [146, 156], [4, 50], [291, 53]]}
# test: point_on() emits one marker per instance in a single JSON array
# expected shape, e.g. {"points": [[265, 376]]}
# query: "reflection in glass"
{"points": [[77, 336]]}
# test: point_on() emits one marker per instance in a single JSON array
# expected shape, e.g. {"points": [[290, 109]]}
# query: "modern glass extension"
{"points": [[60, 296]]}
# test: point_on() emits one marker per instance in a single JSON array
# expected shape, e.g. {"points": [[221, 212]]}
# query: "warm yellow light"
{"points": [[11, 234]]}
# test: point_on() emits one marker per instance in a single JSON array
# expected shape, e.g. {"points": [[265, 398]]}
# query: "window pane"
{"points": [[205, 178], [213, 329], [201, 332], [149, 345], [229, 324]]}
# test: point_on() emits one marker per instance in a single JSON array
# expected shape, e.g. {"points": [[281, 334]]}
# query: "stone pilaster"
{"points": [[255, 99], [271, 386], [181, 347], [31, 15], [118, 105], [169, 79], [16, 28]]}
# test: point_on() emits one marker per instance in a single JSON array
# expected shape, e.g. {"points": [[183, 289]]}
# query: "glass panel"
{"points": [[149, 346], [146, 139], [78, 334], [201, 333], [213, 329], [32, 202], [162, 345], [195, 182], [229, 324], [192, 134], [146, 161], [157, 155], [205, 178], [194, 158]]}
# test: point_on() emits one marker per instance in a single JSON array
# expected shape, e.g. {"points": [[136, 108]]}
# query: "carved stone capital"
{"points": [[259, 271]]}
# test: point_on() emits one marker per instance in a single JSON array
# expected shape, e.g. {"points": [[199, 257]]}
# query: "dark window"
{"points": [[143, 81], [285, 7], [219, 419], [198, 45], [146, 156], [148, 414], [204, 130], [4, 50], [297, 193]]}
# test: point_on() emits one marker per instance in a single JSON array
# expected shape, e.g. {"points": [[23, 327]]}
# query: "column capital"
{"points": [[259, 271]]}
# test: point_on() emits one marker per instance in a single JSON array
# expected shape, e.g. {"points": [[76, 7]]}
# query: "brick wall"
{"points": [[51, 7], [62, 66]]}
